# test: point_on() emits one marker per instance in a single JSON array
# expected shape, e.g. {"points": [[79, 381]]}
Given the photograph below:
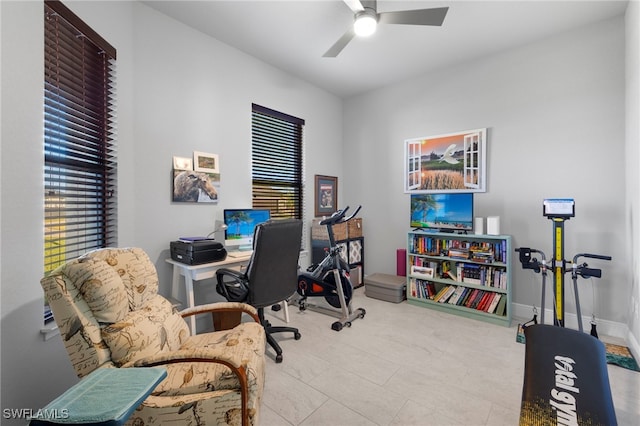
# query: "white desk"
{"points": [[203, 271]]}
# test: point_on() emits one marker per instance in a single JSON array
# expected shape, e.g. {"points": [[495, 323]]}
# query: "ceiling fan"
{"points": [[366, 18]]}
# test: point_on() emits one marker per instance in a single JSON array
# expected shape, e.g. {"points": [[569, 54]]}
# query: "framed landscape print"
{"points": [[207, 163], [454, 162]]}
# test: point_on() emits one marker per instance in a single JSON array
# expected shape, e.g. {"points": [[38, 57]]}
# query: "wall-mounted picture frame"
{"points": [[182, 163], [326, 195], [454, 162], [190, 186], [204, 162]]}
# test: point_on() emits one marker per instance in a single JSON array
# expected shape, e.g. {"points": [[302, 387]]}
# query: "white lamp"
{"points": [[365, 23], [220, 227]]}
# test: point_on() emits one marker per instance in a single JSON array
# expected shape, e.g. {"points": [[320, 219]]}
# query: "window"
{"points": [[277, 162], [79, 145]]}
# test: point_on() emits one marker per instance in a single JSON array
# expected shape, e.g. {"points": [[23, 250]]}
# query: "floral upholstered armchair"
{"points": [[110, 315]]}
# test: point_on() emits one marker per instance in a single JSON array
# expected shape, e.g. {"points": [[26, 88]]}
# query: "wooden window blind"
{"points": [[79, 138], [277, 162]]}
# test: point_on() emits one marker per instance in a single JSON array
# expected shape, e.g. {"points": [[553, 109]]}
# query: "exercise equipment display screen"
{"points": [[559, 207]]}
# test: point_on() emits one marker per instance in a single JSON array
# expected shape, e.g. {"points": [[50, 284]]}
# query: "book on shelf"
{"points": [[450, 275], [440, 293], [471, 298], [481, 254], [431, 289], [458, 253], [494, 303], [486, 300], [471, 273], [456, 295], [477, 299], [447, 294], [464, 296], [501, 309]]}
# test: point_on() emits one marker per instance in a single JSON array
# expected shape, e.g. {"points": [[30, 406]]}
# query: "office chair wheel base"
{"points": [[337, 326], [297, 336], [362, 312], [278, 358]]}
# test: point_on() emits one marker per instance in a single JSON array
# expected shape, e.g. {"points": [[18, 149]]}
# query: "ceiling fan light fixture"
{"points": [[365, 23]]}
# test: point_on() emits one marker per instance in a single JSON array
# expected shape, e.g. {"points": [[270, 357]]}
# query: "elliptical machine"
{"points": [[330, 279]]}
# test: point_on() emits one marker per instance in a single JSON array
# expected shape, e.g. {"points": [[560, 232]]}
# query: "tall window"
{"points": [[79, 146], [277, 162]]}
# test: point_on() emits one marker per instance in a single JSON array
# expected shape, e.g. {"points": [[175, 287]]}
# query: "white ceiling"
{"points": [[293, 35]]}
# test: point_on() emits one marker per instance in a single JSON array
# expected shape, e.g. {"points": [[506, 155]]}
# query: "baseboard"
{"points": [[605, 327]]}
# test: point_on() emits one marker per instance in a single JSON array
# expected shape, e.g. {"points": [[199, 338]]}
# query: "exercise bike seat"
{"points": [[565, 379]]}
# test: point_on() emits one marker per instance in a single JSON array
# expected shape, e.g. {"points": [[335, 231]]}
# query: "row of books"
{"points": [[484, 275], [480, 251], [472, 298], [488, 276]]}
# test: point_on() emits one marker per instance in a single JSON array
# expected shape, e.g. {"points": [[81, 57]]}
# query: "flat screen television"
{"points": [[442, 212], [240, 226]]}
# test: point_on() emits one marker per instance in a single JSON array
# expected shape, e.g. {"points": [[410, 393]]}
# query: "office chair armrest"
{"points": [[232, 284], [234, 273], [222, 307]]}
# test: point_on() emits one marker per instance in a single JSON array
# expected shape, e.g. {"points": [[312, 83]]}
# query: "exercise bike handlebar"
{"points": [[339, 216], [585, 272], [592, 256]]}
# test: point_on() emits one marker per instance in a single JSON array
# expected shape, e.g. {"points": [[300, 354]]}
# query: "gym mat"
{"points": [[621, 356]]}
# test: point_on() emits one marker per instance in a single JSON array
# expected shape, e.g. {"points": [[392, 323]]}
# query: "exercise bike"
{"points": [[330, 279]]}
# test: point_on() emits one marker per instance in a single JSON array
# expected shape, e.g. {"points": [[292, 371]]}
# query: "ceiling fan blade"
{"points": [[340, 44], [354, 5], [433, 16]]}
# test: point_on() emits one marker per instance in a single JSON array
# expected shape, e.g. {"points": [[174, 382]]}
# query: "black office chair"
{"points": [[270, 277]]}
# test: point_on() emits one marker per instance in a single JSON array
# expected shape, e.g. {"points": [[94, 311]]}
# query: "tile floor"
{"points": [[405, 365]]}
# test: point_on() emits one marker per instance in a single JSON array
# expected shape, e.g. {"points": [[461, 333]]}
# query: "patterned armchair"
{"points": [[110, 315]]}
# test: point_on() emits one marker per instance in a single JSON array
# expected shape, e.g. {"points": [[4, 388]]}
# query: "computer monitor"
{"points": [[241, 224]]}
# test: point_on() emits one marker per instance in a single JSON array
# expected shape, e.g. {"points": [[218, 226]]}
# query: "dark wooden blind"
{"points": [[277, 162], [79, 138]]}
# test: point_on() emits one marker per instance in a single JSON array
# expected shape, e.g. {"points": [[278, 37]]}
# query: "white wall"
{"points": [[178, 91], [632, 145], [25, 359], [195, 94], [554, 110]]}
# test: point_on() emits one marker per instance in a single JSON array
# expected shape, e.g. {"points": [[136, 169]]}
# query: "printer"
{"points": [[197, 251]]}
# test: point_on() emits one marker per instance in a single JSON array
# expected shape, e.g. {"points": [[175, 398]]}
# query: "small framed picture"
{"points": [[182, 163], [422, 271], [326, 188], [207, 163]]}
